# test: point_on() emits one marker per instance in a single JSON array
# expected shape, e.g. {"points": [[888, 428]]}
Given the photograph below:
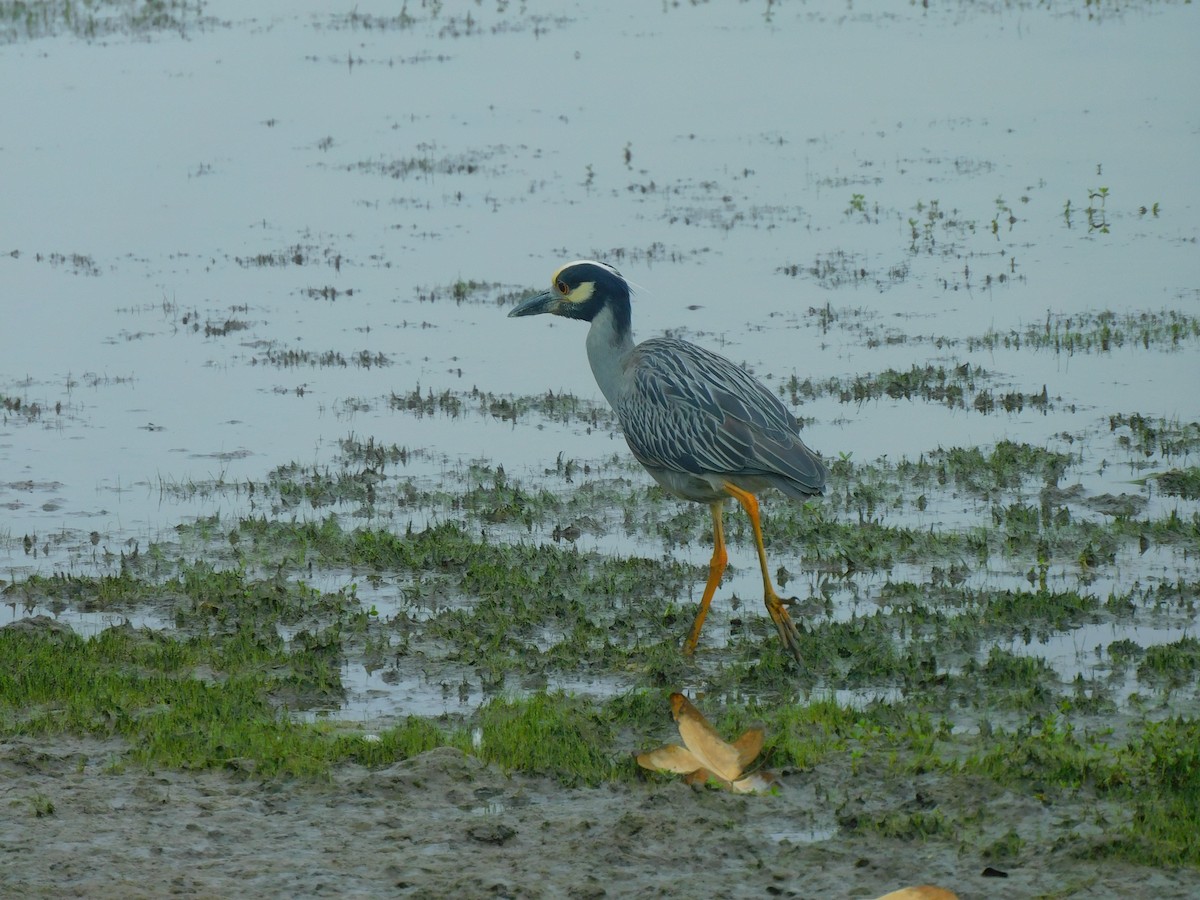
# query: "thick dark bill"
{"points": [[542, 303]]}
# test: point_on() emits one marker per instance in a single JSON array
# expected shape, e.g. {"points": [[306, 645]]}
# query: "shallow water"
{"points": [[216, 246]]}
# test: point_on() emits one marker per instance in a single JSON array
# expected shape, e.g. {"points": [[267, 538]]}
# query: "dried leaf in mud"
{"points": [[706, 756], [671, 758], [921, 892]]}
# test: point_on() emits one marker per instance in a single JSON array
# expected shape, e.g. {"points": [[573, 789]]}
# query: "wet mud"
{"points": [[445, 824]]}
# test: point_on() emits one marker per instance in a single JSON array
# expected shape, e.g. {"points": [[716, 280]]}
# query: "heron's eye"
{"points": [[562, 287]]}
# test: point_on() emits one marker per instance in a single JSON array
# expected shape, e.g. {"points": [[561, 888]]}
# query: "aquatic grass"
{"points": [[295, 255], [1155, 778], [367, 22], [956, 387], [1005, 466], [535, 607], [1006, 669], [121, 589], [1175, 664], [232, 620], [95, 18], [1038, 609], [1149, 785], [562, 407], [430, 163], [1054, 528], [296, 485], [541, 607], [797, 734], [285, 358], [915, 825], [1150, 437], [871, 488], [1164, 767], [524, 599], [148, 689], [191, 703], [20, 409], [1182, 483], [551, 734], [481, 566], [493, 499], [1099, 332], [861, 526], [845, 547], [1009, 681], [472, 291], [373, 454], [231, 594], [1104, 331]]}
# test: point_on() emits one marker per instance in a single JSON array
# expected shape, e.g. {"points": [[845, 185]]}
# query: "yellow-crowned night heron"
{"points": [[701, 425]]}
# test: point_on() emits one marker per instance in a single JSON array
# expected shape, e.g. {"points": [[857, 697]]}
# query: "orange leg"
{"points": [[716, 568], [779, 614]]}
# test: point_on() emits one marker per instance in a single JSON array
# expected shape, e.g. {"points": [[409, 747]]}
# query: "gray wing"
{"points": [[690, 410]]}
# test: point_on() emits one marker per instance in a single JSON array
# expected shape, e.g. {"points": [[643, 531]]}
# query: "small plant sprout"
{"points": [[1097, 220]]}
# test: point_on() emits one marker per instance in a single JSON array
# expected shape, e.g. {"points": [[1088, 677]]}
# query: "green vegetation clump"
{"points": [[198, 703], [1099, 332], [1006, 466], [550, 734], [1177, 664], [26, 19], [1183, 483], [954, 387], [1087, 332], [1155, 777], [1166, 438]]}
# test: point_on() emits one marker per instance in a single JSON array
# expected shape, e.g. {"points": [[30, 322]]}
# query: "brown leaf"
{"points": [[706, 756], [702, 739], [755, 783], [671, 758], [749, 745]]}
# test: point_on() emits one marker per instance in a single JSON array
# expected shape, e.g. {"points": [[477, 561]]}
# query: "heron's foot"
{"points": [[788, 633], [689, 645]]}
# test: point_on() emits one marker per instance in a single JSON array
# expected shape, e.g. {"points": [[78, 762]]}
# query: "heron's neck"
{"points": [[609, 342]]}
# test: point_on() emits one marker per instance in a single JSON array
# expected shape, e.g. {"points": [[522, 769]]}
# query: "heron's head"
{"points": [[580, 290]]}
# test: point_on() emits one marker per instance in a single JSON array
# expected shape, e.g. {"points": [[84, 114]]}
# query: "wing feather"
{"points": [[693, 411]]}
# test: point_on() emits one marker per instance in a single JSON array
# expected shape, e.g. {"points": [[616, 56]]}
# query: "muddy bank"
{"points": [[444, 824]]}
